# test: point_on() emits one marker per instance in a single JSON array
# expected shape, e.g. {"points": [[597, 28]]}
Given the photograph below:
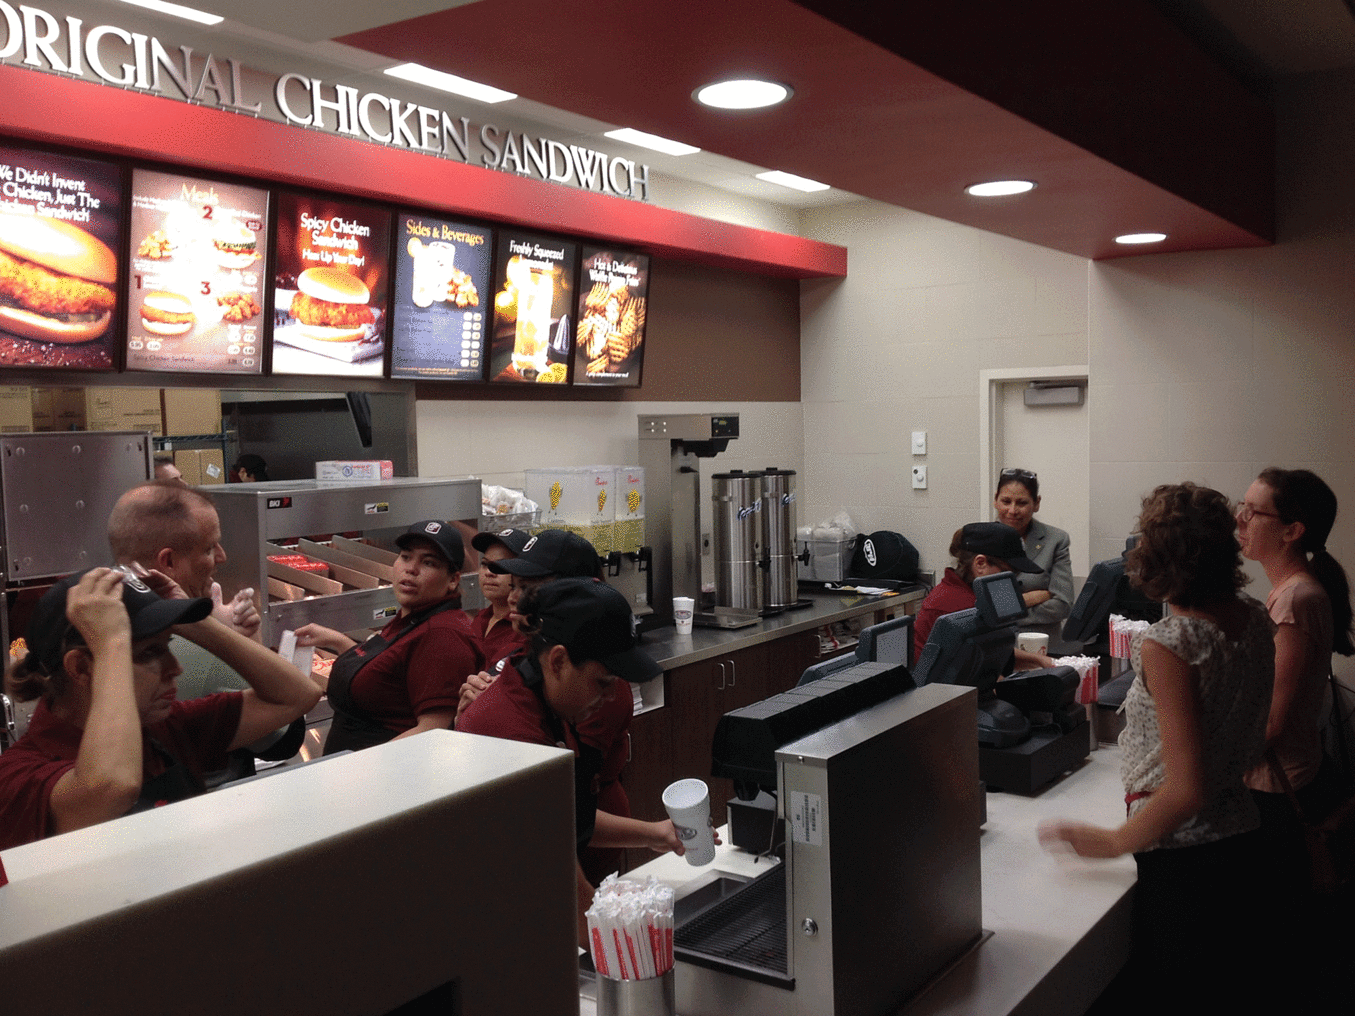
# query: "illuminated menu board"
{"points": [[60, 220], [440, 309], [195, 293], [330, 287], [610, 341], [533, 300]]}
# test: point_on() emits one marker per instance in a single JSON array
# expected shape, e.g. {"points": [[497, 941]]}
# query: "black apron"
{"points": [[353, 728], [587, 759], [176, 783]]}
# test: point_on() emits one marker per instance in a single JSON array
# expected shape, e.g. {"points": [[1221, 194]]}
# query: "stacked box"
{"points": [[579, 499], [123, 409], [16, 410], [201, 466], [191, 410], [630, 509]]}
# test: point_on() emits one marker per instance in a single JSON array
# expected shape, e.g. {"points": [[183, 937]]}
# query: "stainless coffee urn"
{"points": [[736, 498], [780, 585]]}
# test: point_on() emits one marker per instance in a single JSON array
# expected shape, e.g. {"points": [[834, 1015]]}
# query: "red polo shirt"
{"points": [[952, 593]]}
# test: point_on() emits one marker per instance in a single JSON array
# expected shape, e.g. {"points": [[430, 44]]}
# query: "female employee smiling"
{"points": [[1048, 594]]}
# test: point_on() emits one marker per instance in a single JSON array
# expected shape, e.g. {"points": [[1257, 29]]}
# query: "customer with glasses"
{"points": [[1048, 593], [1283, 523]]}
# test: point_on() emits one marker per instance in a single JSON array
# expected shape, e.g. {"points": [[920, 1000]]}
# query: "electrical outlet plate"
{"points": [[919, 477], [919, 442]]}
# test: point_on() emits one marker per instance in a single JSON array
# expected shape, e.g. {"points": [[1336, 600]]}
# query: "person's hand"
{"points": [[1083, 839], [1045, 660], [665, 838], [472, 689], [240, 613], [94, 605], [159, 583], [324, 638]]}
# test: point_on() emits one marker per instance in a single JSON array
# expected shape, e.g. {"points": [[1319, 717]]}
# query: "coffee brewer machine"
{"points": [[670, 446]]}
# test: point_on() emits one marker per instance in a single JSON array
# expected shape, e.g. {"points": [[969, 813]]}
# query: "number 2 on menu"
{"points": [[206, 211]]}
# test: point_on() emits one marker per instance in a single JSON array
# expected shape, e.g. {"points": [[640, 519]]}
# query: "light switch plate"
{"points": [[919, 442], [919, 477]]}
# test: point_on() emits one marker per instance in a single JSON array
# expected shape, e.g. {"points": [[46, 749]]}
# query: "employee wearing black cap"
{"points": [[493, 624], [109, 735], [581, 644], [980, 548], [406, 678]]}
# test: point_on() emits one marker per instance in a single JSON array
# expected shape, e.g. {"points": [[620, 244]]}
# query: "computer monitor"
{"points": [[1092, 610], [973, 647], [887, 642], [824, 668]]}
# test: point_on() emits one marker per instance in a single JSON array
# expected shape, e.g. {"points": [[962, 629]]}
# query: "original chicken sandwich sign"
{"points": [[108, 54]]}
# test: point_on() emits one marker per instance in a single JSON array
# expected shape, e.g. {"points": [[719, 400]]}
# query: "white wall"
{"points": [[897, 346]]}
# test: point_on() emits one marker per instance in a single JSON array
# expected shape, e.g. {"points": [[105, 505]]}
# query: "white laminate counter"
{"points": [[1060, 925]]}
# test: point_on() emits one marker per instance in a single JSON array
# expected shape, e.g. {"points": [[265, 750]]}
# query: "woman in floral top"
{"points": [[1195, 723]]}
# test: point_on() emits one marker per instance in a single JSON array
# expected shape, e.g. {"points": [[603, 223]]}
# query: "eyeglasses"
{"points": [[1016, 474], [1245, 513]]}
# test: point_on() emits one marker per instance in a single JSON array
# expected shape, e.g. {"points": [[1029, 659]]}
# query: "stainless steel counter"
{"points": [[673, 650]]}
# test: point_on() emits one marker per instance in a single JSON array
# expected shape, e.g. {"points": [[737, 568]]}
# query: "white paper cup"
{"points": [[682, 614], [1033, 642], [688, 804]]}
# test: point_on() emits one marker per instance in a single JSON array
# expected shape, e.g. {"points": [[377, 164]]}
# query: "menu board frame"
{"points": [[35, 343], [611, 316], [510, 338], [340, 301], [430, 293], [197, 271]]}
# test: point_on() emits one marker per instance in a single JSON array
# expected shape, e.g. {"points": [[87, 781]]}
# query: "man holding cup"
{"points": [[580, 641]]}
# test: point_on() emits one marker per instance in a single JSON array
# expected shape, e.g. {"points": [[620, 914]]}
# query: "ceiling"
{"points": [[1130, 117]]}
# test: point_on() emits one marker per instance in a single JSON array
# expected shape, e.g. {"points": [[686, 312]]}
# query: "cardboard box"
{"points": [[16, 410], [211, 466], [189, 463], [68, 408], [355, 471], [191, 410], [44, 413], [123, 409]]}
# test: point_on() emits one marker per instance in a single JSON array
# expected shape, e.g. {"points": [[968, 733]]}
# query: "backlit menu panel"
{"points": [[330, 287], [440, 309], [60, 220], [533, 300], [195, 292], [613, 295]]}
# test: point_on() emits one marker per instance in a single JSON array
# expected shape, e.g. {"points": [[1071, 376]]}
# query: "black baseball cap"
{"points": [[513, 539], [149, 614], [442, 535], [999, 540], [553, 552], [594, 622]]}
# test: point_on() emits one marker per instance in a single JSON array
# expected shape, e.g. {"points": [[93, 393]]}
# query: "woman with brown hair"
{"points": [[1195, 723]]}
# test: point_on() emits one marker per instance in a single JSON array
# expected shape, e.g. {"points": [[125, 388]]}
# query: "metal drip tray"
{"points": [[743, 934]]}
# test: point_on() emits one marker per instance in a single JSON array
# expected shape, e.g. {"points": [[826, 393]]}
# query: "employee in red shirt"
{"points": [[493, 625], [406, 678], [980, 548], [109, 735]]}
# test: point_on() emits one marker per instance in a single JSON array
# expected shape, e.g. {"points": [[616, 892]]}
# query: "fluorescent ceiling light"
{"points": [[791, 180], [742, 93], [652, 141], [178, 10], [1141, 238], [999, 188], [441, 80]]}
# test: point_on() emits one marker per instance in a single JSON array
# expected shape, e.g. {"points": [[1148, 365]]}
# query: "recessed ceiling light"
{"points": [[441, 80], [1141, 238], [999, 188], [178, 10], [652, 141], [799, 183], [742, 93]]}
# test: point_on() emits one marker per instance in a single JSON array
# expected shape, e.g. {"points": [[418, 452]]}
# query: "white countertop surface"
{"points": [[1059, 924]]}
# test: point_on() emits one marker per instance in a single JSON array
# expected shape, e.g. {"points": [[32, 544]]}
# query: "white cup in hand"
{"points": [[688, 805]]}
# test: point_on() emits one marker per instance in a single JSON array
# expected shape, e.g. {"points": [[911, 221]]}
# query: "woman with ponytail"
{"points": [[1283, 523]]}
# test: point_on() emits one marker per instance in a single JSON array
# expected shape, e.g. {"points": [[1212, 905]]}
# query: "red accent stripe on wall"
{"points": [[66, 111]]}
